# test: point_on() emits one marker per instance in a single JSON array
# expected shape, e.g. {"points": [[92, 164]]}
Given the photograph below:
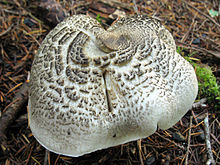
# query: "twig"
{"points": [[190, 28], [207, 140], [194, 116], [140, 151], [200, 103], [58, 157], [46, 156], [218, 7], [189, 139], [199, 49], [12, 111], [7, 30], [170, 141], [213, 136], [118, 4], [202, 13], [135, 7], [29, 155], [13, 12]]}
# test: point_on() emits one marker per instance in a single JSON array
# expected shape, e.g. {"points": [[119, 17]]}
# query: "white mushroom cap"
{"points": [[92, 88]]}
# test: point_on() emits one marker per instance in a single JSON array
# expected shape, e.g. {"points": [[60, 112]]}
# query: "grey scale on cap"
{"points": [[92, 88]]}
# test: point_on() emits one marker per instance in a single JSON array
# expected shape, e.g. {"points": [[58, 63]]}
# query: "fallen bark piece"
{"points": [[10, 114], [207, 140]]}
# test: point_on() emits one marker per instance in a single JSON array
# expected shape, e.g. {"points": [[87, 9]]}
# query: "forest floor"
{"points": [[195, 27]]}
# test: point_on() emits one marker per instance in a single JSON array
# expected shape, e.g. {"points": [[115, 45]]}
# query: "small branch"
{"points": [[170, 141], [202, 13], [46, 157], [207, 140], [58, 157], [135, 7], [7, 30], [140, 152], [12, 112], [190, 28], [118, 4], [200, 103], [215, 138], [189, 139], [199, 49]]}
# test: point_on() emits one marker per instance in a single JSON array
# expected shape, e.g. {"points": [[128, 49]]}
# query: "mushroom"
{"points": [[92, 88]]}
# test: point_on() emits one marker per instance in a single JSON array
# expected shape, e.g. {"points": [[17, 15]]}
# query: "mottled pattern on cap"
{"points": [[92, 88]]}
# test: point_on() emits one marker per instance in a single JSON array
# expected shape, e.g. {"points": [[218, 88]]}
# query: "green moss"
{"points": [[99, 19], [207, 82], [208, 86]]}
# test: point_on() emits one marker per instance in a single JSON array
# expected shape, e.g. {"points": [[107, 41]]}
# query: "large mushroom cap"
{"points": [[92, 88]]}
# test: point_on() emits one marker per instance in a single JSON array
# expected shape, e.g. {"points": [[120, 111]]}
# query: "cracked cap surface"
{"points": [[92, 88]]}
